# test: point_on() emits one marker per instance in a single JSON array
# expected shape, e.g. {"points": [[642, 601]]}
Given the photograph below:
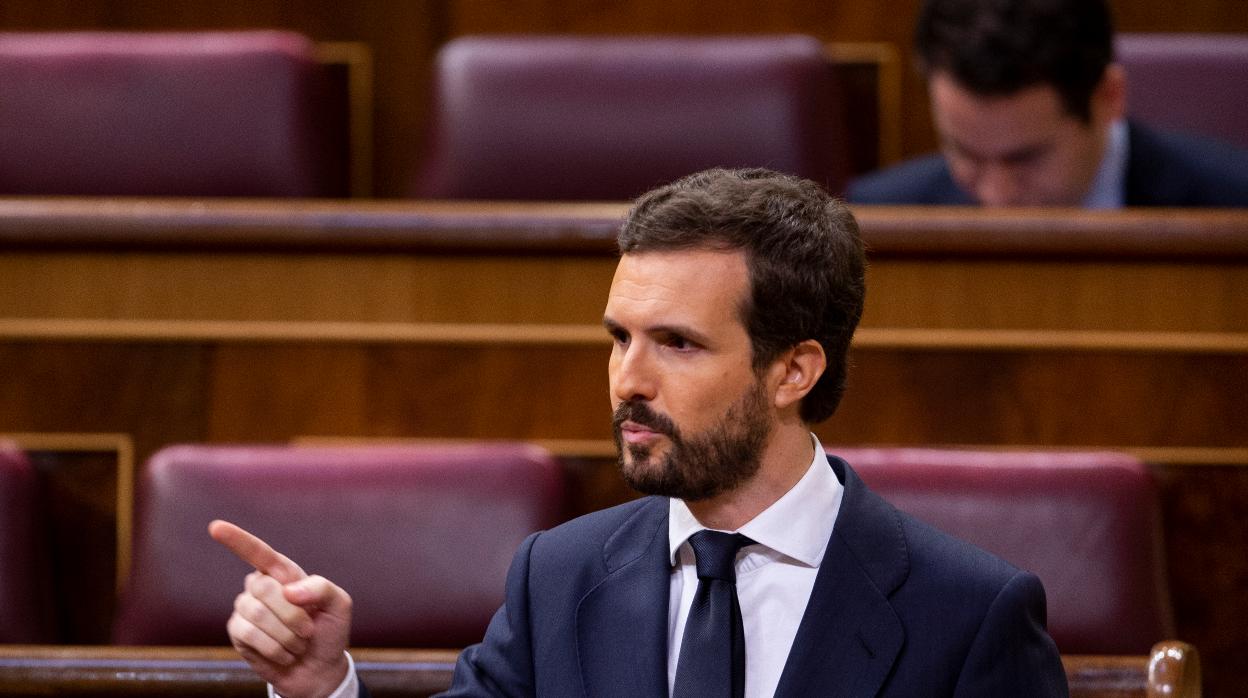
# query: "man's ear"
{"points": [[800, 369]]}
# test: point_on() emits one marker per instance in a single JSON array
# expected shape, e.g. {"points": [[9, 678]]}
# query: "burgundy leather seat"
{"points": [[420, 536], [1188, 82], [1088, 524], [180, 114], [585, 118], [24, 598]]}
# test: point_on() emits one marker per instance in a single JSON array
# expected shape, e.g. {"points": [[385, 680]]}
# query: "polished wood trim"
{"points": [[887, 61], [29, 670], [1050, 340], [257, 224], [579, 228], [1155, 455], [1179, 455], [560, 334], [120, 444], [357, 57], [1172, 669], [605, 449], [953, 231], [282, 331], [571, 448]]}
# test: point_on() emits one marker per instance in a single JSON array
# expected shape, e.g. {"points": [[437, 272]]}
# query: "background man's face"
{"points": [[691, 416], [1022, 149]]}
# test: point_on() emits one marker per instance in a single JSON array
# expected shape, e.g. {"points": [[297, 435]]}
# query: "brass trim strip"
{"points": [[357, 56], [867, 339]]}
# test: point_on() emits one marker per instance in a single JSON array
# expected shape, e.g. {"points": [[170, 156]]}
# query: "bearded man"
{"points": [[757, 565]]}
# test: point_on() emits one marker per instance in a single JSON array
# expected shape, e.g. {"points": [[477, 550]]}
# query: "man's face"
{"points": [[1022, 149], [691, 417]]}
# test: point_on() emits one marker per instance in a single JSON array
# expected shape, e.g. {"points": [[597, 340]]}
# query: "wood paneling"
{"points": [[1159, 16], [152, 392], [179, 383], [180, 320], [1203, 508], [552, 263], [368, 288], [266, 321]]}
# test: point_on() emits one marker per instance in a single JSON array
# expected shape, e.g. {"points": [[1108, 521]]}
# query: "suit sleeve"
{"points": [[502, 664], [1012, 654]]}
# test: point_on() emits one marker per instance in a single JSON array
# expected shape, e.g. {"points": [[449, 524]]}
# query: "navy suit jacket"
{"points": [[898, 609], [1163, 169]]}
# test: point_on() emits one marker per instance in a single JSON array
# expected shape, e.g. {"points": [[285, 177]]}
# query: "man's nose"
{"points": [[997, 185], [632, 376]]}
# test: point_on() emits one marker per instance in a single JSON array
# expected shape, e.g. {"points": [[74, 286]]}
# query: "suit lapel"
{"points": [[850, 636], [621, 624], [1149, 179]]}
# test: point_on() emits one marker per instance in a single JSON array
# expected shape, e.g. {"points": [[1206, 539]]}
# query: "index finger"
{"points": [[255, 552]]}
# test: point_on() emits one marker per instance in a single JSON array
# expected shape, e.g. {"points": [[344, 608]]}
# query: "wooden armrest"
{"points": [[1174, 670], [1170, 670]]}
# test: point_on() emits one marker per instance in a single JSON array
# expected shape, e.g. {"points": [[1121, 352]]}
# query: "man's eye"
{"points": [[1022, 159], [677, 342]]}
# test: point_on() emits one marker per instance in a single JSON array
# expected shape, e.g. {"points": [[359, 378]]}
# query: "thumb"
{"points": [[317, 592]]}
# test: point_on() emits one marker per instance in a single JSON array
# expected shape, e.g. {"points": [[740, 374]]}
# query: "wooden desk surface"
{"points": [[27, 671], [40, 670], [424, 226]]}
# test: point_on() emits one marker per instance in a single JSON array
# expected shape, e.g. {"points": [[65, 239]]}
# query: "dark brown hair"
{"points": [[803, 252], [998, 47]]}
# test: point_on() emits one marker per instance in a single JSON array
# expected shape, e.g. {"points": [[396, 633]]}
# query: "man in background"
{"points": [[1030, 107]]}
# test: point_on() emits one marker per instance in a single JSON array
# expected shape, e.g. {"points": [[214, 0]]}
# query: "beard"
{"points": [[697, 466]]}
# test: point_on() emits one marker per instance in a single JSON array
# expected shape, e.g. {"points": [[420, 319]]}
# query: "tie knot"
{"points": [[715, 553]]}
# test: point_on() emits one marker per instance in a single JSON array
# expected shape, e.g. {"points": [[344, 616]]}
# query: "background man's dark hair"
{"points": [[997, 47], [803, 252]]}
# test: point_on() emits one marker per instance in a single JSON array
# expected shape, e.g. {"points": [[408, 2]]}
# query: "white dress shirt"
{"points": [[349, 688], [774, 577], [1109, 185]]}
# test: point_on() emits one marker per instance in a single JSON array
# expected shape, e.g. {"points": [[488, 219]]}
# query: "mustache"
{"points": [[640, 413]]}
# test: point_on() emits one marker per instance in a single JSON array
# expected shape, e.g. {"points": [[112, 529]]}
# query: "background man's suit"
{"points": [[898, 609], [1163, 169]]}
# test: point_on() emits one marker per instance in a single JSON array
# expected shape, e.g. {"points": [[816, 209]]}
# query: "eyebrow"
{"points": [[679, 330], [1017, 155]]}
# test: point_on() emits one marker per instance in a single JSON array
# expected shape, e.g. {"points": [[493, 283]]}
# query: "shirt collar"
{"points": [[1108, 188], [798, 525]]}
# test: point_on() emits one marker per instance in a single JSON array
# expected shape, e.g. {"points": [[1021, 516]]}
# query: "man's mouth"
{"points": [[634, 433]]}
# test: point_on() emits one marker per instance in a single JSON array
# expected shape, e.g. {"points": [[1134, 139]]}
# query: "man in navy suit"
{"points": [[1029, 109], [731, 313]]}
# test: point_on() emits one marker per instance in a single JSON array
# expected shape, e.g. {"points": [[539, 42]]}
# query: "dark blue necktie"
{"points": [[712, 653]]}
